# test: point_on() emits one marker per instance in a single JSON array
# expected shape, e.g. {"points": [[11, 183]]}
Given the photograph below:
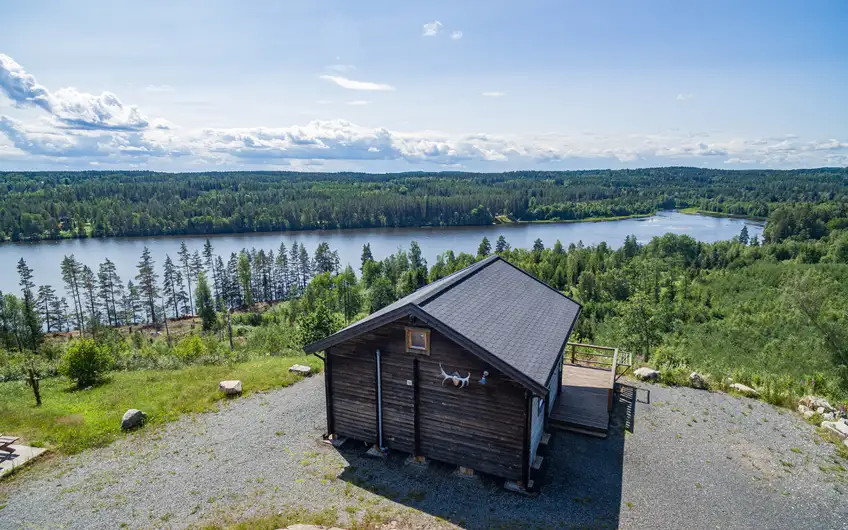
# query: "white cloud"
{"points": [[494, 94], [456, 35], [83, 128], [159, 88], [430, 29], [685, 96], [350, 84], [71, 108], [359, 102]]}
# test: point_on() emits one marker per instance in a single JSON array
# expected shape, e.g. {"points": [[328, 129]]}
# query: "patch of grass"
{"points": [[796, 450], [71, 421], [327, 517]]}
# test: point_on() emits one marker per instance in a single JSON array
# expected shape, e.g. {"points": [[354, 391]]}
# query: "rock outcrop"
{"points": [[230, 388], [647, 374], [133, 418]]}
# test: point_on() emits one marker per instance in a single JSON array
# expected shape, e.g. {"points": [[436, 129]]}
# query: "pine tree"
{"points": [[132, 303], [89, 287], [209, 259], [501, 245], [234, 293], [485, 248], [46, 301], [30, 329], [186, 262], [61, 313], [172, 281], [325, 260], [147, 283], [305, 268], [109, 285], [282, 266], [245, 276], [294, 266], [205, 307], [744, 238], [71, 271], [223, 297], [366, 255]]}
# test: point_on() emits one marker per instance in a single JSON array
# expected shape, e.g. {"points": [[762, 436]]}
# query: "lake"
{"points": [[45, 256]]}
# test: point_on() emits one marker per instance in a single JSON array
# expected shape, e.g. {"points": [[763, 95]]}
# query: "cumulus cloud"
{"points": [[83, 128], [350, 84], [71, 108], [456, 35], [494, 94], [431, 29]]}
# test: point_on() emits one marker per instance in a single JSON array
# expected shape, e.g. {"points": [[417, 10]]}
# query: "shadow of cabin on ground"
{"points": [[580, 486]]}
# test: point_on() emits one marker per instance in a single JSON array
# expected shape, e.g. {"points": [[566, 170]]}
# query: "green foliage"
{"points": [[190, 348], [85, 362], [49, 205], [316, 324], [204, 304]]}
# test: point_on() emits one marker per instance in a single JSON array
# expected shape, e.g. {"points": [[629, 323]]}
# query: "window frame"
{"points": [[408, 340]]}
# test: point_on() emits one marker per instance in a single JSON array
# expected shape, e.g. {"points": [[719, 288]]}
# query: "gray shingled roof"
{"points": [[503, 310]]}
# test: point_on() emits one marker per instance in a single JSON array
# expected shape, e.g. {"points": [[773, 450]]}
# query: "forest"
{"points": [[54, 205], [769, 312]]}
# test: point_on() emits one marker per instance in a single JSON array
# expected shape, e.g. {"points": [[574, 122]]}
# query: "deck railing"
{"points": [[607, 357]]}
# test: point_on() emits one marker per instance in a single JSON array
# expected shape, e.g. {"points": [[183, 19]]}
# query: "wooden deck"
{"points": [[584, 401]]}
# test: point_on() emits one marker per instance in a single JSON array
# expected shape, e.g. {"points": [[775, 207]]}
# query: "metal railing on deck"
{"points": [[606, 357]]}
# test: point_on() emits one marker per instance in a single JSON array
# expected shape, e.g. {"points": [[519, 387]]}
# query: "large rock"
{"points": [[819, 404], [300, 369], [132, 419], [744, 389], [230, 388], [839, 428], [696, 380], [647, 374]]}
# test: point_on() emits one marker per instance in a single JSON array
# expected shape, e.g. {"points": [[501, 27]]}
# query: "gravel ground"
{"points": [[693, 460]]}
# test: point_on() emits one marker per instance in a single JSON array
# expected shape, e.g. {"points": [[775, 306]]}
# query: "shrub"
{"points": [[84, 362], [190, 348]]}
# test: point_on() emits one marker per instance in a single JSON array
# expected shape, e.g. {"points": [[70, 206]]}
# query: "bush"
{"points": [[190, 348], [84, 362]]}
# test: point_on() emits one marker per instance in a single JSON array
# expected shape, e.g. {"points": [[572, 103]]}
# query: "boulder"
{"points": [[300, 369], [230, 388], [744, 389], [809, 414], [132, 419], [697, 380], [839, 428], [647, 374], [802, 409], [816, 403], [829, 416]]}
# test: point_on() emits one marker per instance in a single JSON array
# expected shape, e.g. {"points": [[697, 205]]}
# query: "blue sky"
{"points": [[392, 86]]}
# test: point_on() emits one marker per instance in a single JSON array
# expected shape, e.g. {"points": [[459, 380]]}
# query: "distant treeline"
{"points": [[52, 205]]}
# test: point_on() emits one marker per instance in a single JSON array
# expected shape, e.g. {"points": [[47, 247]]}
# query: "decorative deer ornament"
{"points": [[461, 382]]}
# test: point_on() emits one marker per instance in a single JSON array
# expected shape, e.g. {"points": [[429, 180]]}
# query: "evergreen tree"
{"points": [[205, 306], [209, 260], [744, 237], [132, 303], [71, 271], [147, 283], [109, 287], [366, 255], [294, 267], [234, 294], [61, 314], [172, 284], [538, 246], [325, 260], [46, 304], [245, 276], [305, 267], [485, 248], [186, 262], [282, 266], [30, 329], [501, 245], [89, 287]]}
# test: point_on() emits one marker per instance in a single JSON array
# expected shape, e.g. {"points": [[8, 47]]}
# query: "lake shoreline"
{"points": [[501, 221]]}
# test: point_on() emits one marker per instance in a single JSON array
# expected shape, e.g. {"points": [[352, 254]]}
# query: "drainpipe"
{"points": [[379, 404]]}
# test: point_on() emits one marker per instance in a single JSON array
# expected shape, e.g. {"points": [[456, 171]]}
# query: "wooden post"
{"points": [[573, 352]]}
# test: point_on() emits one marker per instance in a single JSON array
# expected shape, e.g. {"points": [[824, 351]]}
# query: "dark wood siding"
{"points": [[479, 426], [353, 392]]}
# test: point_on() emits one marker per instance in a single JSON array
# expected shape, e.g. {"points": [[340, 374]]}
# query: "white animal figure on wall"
{"points": [[461, 382]]}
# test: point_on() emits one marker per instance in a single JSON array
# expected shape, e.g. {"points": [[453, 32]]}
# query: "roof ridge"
{"points": [[459, 276]]}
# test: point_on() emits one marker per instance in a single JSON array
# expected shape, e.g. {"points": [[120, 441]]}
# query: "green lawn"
{"points": [[70, 421]]}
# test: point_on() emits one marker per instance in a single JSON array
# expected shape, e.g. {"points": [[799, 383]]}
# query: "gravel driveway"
{"points": [[694, 460]]}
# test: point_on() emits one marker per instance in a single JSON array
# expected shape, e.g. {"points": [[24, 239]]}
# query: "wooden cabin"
{"points": [[465, 370]]}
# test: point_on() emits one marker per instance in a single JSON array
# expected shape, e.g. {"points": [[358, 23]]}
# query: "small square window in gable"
{"points": [[418, 340]]}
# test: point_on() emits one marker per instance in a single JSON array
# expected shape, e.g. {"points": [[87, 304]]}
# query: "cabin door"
{"points": [[397, 369]]}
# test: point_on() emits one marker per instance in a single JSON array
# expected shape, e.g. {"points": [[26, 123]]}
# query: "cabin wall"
{"points": [[480, 426]]}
